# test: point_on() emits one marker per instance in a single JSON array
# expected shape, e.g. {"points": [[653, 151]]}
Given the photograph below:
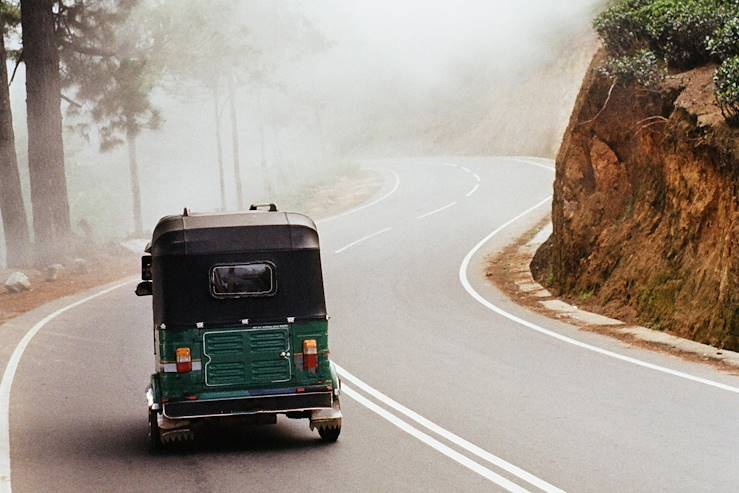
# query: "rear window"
{"points": [[239, 280]]}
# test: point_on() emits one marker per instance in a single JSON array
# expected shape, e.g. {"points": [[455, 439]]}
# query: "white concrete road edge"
{"points": [[569, 340]]}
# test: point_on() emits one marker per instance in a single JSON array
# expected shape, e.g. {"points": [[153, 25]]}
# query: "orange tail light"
{"points": [[184, 360], [310, 355]]}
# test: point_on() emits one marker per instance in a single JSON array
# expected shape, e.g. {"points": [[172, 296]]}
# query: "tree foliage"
{"points": [[106, 61]]}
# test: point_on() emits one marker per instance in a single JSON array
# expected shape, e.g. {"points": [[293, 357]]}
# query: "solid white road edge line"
{"points": [[457, 440], [436, 210], [534, 163], [363, 238], [9, 374], [474, 189], [569, 340], [433, 443], [396, 184]]}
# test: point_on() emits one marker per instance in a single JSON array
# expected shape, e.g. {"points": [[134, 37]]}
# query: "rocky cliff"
{"points": [[645, 211]]}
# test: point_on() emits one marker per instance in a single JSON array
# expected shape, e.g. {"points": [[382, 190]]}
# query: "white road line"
{"points": [[433, 443], [477, 296], [466, 169], [364, 238], [474, 189], [534, 163], [436, 210], [7, 383], [396, 184], [451, 165], [448, 435]]}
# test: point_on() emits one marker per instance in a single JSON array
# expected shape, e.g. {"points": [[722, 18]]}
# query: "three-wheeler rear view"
{"points": [[240, 324]]}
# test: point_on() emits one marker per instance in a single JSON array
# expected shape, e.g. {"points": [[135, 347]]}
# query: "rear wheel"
{"points": [[155, 437], [330, 433]]}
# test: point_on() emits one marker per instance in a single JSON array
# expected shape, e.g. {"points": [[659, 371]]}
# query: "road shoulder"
{"points": [[509, 271]]}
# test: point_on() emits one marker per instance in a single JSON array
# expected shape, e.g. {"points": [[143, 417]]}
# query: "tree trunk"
{"points": [[133, 167], [13, 210], [235, 143], [219, 146], [49, 199]]}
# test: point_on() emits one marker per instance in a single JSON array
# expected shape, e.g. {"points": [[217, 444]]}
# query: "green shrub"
{"points": [[641, 68], [679, 29], [623, 27], [675, 30], [727, 89], [724, 43]]}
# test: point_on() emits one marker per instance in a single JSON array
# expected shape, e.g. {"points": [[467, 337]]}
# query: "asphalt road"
{"points": [[441, 391]]}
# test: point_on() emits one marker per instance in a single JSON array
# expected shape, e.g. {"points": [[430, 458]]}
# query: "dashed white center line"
{"points": [[474, 189], [364, 238], [437, 210], [463, 168], [477, 177]]}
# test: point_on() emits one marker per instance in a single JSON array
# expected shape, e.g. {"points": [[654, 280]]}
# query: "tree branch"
{"points": [[87, 50], [71, 101], [15, 69]]}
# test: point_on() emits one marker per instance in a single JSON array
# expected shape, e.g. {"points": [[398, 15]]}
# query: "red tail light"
{"points": [[184, 360], [310, 355]]}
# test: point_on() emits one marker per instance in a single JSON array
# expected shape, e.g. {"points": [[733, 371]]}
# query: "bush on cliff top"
{"points": [[678, 33], [725, 41], [727, 89], [641, 68]]}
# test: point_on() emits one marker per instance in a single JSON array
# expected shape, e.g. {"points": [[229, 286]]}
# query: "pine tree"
{"points": [[49, 199], [107, 62], [12, 208]]}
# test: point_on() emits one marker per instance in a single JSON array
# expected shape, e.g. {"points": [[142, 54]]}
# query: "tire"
{"points": [[154, 438], [329, 434]]}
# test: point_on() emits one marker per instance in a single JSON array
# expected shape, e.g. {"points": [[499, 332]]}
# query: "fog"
{"points": [[359, 80]]}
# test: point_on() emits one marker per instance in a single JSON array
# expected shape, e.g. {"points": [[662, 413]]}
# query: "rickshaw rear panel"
{"points": [[240, 325]]}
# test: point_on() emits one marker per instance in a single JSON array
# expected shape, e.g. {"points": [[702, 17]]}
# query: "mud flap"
{"points": [[174, 430], [327, 418]]}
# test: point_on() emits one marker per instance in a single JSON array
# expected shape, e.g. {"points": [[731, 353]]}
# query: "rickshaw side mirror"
{"points": [[144, 288], [146, 268]]}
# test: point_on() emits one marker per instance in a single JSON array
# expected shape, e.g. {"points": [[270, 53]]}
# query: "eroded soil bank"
{"points": [[645, 211]]}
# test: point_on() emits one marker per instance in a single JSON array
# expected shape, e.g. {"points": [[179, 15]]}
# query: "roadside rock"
{"points": [[17, 282], [53, 272], [81, 266]]}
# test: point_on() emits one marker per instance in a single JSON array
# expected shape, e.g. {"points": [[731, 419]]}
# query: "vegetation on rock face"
{"points": [[641, 68], [681, 34], [727, 89], [724, 43]]}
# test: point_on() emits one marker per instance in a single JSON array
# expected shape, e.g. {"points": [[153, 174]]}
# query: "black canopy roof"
{"points": [[216, 233]]}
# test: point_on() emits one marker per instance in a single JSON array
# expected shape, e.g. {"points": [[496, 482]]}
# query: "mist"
{"points": [[360, 80]]}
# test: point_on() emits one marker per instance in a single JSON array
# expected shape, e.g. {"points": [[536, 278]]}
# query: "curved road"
{"points": [[448, 385]]}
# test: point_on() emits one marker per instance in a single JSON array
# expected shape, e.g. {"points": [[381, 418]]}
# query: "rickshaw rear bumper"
{"points": [[276, 404]]}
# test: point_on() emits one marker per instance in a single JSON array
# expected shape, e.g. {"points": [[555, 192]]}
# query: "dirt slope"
{"points": [[645, 213]]}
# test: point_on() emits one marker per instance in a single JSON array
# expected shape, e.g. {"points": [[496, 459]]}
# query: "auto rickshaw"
{"points": [[240, 324]]}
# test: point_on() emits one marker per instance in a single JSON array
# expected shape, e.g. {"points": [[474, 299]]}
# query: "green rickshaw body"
{"points": [[240, 324]]}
